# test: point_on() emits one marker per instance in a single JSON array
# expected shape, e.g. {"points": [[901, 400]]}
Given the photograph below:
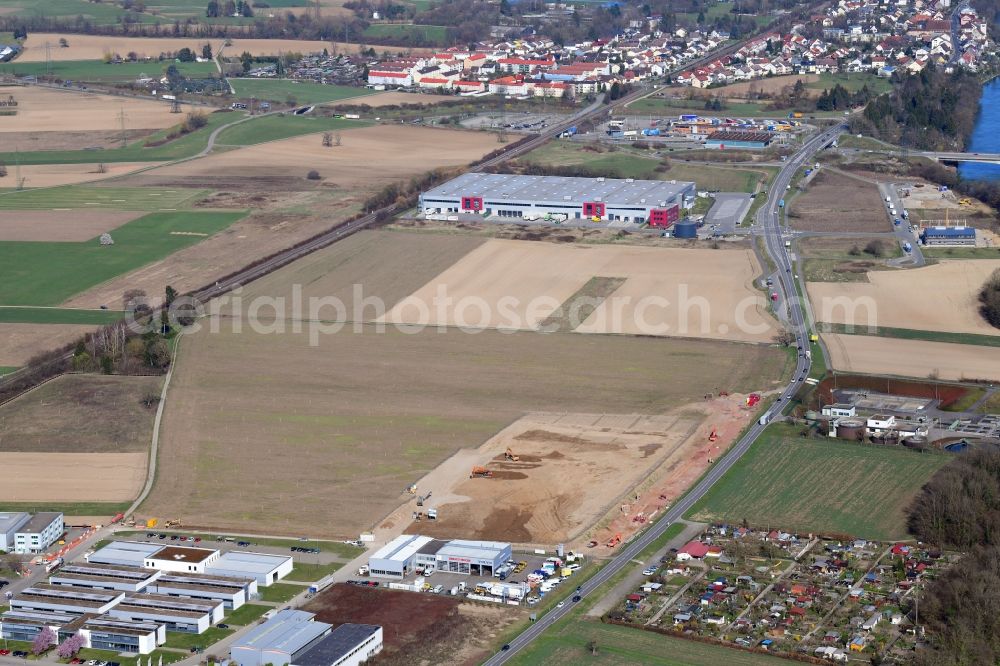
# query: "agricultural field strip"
{"points": [[898, 299], [912, 358], [67, 198], [785, 480], [74, 267]]}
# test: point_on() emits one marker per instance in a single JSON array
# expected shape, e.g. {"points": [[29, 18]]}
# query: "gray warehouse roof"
{"points": [[122, 552], [288, 631], [481, 549], [40, 521], [9, 521], [611, 191], [339, 643], [249, 562]]}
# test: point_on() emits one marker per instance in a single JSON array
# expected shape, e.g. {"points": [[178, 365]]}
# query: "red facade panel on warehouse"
{"points": [[664, 217], [591, 208], [472, 203]]}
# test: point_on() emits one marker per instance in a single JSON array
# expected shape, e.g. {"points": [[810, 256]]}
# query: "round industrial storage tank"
{"points": [[919, 442], [850, 429], [686, 229]]}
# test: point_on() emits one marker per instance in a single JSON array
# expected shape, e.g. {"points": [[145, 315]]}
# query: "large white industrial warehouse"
{"points": [[409, 553], [656, 202]]}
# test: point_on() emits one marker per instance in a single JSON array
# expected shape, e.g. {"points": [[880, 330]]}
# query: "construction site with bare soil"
{"points": [[576, 478], [357, 409]]}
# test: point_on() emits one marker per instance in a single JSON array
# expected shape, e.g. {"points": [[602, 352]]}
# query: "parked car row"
{"points": [[172, 537], [300, 549], [364, 583]]}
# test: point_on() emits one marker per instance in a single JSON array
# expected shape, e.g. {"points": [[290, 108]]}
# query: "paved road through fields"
{"points": [[769, 227]]}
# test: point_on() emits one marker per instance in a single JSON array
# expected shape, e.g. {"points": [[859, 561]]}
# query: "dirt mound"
{"points": [[417, 628], [572, 469]]}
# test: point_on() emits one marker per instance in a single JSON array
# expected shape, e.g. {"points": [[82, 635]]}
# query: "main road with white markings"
{"points": [[768, 226]]}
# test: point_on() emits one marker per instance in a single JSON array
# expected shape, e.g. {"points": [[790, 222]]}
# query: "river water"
{"points": [[986, 135]]}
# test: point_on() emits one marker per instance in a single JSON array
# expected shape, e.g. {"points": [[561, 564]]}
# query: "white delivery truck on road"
{"points": [[765, 418]]}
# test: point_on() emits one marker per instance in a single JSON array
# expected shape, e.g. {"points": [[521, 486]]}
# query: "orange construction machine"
{"points": [[714, 436], [614, 541], [480, 472]]}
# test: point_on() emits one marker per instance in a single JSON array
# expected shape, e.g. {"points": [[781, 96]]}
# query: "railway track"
{"points": [[250, 273]]}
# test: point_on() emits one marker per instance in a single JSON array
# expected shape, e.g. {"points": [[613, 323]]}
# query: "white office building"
{"points": [[40, 532]]}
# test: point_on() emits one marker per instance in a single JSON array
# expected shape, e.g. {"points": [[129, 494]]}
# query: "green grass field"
{"points": [[33, 273], [304, 92], [820, 485], [185, 146], [436, 34], [84, 197], [69, 508], [272, 128], [185, 641], [98, 71], [852, 81], [962, 252], [308, 573], [108, 13], [280, 592], [16, 315], [246, 614], [913, 334], [566, 643], [863, 143], [630, 163], [671, 107], [991, 405], [102, 14]]}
